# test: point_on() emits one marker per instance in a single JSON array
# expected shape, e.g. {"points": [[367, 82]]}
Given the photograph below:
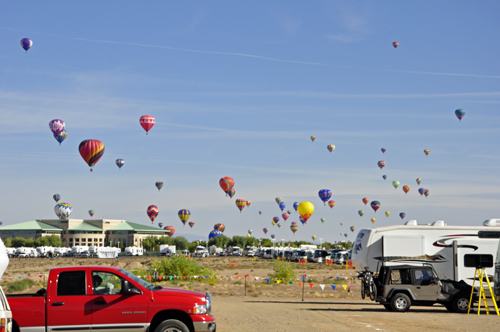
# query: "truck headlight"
{"points": [[200, 309], [208, 298]]}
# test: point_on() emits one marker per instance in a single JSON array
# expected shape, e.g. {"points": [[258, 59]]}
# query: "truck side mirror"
{"points": [[127, 289]]}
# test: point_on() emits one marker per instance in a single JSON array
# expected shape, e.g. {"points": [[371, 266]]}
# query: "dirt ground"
{"points": [[269, 306]]}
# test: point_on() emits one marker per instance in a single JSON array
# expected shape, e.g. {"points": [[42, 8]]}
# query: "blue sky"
{"points": [[237, 89]]}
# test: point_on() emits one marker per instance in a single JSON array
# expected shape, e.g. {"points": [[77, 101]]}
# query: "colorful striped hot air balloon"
{"points": [[294, 227], [381, 164], [361, 212], [265, 230], [63, 210], [383, 150], [460, 113], [57, 197], [421, 191], [313, 138], [61, 137], [395, 44], [191, 224], [406, 189], [395, 184], [147, 122], [249, 203], [306, 209], [375, 205], [330, 147], [427, 151], [220, 227], [241, 203], [276, 219], [302, 220], [91, 151], [226, 183], [152, 212], [184, 216], [56, 126], [91, 212], [120, 163], [171, 230], [331, 203], [325, 195], [231, 193], [159, 185]]}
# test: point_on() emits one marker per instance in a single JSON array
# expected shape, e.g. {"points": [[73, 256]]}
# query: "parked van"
{"points": [[320, 255], [341, 257]]}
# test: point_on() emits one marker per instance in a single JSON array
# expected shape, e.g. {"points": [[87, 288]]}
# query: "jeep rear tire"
{"points": [[460, 303], [400, 302], [172, 325]]}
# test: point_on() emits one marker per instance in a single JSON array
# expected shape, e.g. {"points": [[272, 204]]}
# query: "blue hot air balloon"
{"points": [[421, 191], [120, 163], [61, 137], [273, 236], [26, 43], [302, 220], [57, 197], [213, 234], [384, 177], [160, 225], [282, 206], [460, 113], [325, 195], [296, 205]]}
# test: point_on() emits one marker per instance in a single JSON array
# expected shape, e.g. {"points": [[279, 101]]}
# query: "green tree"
{"points": [[42, 242], [180, 242], [219, 241], [149, 243], [266, 243], [18, 242], [165, 240], [192, 246], [8, 242], [29, 242], [237, 241], [54, 241]]}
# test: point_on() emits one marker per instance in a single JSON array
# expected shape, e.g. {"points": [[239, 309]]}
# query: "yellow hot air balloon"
{"points": [[248, 235], [305, 209], [387, 213], [314, 237], [373, 220], [241, 203]]}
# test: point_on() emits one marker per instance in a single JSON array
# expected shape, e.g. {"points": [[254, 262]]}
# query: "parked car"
{"points": [[250, 253]]}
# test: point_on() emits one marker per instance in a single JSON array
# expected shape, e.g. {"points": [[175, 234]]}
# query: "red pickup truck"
{"points": [[97, 298]]}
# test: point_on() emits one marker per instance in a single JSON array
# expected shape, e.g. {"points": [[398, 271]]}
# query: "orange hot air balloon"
{"points": [[427, 151], [91, 151], [241, 203], [373, 220], [249, 203], [365, 200], [313, 138], [331, 203], [226, 183], [170, 229], [406, 189]]}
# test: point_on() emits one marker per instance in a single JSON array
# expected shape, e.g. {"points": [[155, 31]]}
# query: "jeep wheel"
{"points": [[388, 307], [460, 303], [172, 325], [400, 302], [363, 289]]}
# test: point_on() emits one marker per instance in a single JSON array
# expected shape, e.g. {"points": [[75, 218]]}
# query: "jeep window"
{"points": [[400, 277], [422, 277]]}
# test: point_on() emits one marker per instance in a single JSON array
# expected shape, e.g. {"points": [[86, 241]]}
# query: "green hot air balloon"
{"points": [[395, 184], [361, 212], [323, 220]]}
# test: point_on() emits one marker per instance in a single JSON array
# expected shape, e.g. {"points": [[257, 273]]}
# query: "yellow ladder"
{"points": [[481, 273]]}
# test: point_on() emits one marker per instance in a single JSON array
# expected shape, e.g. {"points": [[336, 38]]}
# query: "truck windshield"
{"points": [[138, 280]]}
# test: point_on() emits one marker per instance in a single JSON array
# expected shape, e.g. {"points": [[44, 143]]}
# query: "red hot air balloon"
{"points": [[152, 212], [91, 151], [147, 122], [406, 189], [365, 200], [395, 44], [381, 164], [171, 230], [331, 203], [226, 183], [249, 203], [285, 216], [375, 205]]}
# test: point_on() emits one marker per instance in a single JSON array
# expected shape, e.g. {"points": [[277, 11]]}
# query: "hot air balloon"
{"points": [[406, 189], [375, 205], [426, 192], [159, 185], [294, 227], [313, 237], [330, 147], [249, 203], [279, 225], [365, 200], [250, 231], [282, 206], [384, 177], [381, 164], [260, 212], [57, 197], [231, 193], [341, 224], [331, 203], [289, 212], [276, 219], [402, 215], [226, 183], [191, 224], [341, 234], [273, 223], [160, 225], [306, 209], [91, 212], [63, 210], [273, 236], [313, 138], [120, 163], [171, 230], [285, 216], [152, 212], [395, 44], [26, 43], [302, 221], [184, 215], [427, 151], [322, 220], [249, 235], [325, 195], [421, 191], [387, 213], [295, 206], [61, 137], [383, 150], [56, 126], [91, 151], [373, 220], [460, 113], [418, 180], [265, 230], [395, 184], [352, 228], [241, 203], [213, 234], [346, 234], [279, 200], [147, 122], [361, 212], [220, 227]]}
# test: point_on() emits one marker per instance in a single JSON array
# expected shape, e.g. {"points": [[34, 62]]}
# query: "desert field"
{"points": [[273, 306]]}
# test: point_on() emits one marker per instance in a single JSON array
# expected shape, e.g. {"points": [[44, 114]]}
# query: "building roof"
{"points": [[30, 225], [130, 226], [85, 226]]}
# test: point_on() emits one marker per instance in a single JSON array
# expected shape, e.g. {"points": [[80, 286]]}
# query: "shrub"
{"points": [[180, 266], [20, 285], [283, 270]]}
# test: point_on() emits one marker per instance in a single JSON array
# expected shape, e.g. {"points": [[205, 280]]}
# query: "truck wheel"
{"points": [[400, 302], [388, 307], [460, 303], [172, 325]]}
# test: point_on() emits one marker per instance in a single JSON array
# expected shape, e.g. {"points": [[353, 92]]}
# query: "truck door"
{"points": [[114, 311], [426, 287], [68, 305]]}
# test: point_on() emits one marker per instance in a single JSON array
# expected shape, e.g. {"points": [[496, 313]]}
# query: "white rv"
{"points": [[134, 251], [61, 251], [76, 250], [24, 252], [438, 244], [45, 251]]}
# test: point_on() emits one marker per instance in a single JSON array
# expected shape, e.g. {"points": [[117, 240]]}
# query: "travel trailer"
{"points": [[442, 246], [134, 251]]}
